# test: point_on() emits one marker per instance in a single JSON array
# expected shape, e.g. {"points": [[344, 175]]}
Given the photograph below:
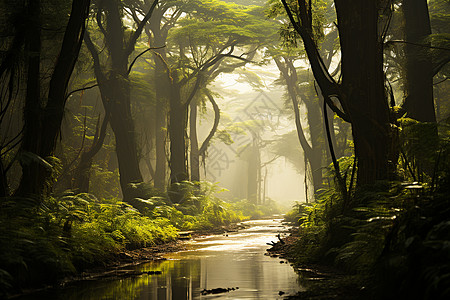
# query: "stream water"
{"points": [[235, 261]]}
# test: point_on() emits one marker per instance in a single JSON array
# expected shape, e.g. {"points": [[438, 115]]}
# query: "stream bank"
{"points": [[122, 264], [320, 282], [224, 266]]}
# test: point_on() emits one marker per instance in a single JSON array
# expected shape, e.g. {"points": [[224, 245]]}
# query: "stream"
{"points": [[235, 262]]}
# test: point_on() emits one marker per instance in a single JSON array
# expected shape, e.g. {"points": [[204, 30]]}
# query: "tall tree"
{"points": [[157, 31], [42, 120], [113, 81], [299, 87], [419, 102], [361, 93], [208, 36], [196, 151], [313, 151]]}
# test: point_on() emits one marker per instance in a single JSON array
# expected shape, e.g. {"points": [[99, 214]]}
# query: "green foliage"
{"points": [[395, 233], [420, 146], [200, 208], [298, 213], [104, 183], [217, 21], [397, 236], [41, 244], [321, 13], [287, 145], [255, 211]]}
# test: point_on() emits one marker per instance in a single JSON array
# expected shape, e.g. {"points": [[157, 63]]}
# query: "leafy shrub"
{"points": [[43, 243], [252, 210], [46, 241]]}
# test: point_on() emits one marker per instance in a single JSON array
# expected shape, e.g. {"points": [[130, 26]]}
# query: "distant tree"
{"points": [[210, 35], [313, 151], [196, 151], [300, 89], [82, 173]]}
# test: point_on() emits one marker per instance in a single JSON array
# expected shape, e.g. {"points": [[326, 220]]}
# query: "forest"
{"points": [[126, 124]]}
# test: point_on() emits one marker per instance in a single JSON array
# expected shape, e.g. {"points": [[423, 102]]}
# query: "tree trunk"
{"points": [[194, 155], [177, 136], [33, 173], [312, 152], [160, 141], [161, 90], [419, 100], [363, 86], [361, 93], [115, 90], [177, 133], [4, 190], [317, 146], [82, 173], [42, 126], [54, 110], [125, 136], [254, 166], [196, 152], [419, 103]]}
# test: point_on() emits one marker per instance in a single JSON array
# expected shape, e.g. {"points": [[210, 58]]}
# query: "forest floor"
{"points": [[320, 281]]}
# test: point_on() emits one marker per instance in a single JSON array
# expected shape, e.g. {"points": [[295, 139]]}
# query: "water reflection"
{"points": [[232, 261]]}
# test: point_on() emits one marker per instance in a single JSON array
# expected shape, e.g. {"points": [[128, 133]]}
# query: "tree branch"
{"points": [[291, 81], [335, 109], [327, 84], [80, 89], [194, 90], [205, 143], [341, 183], [438, 66], [139, 29], [158, 55], [441, 81], [270, 161], [98, 17], [140, 54], [95, 57], [97, 144]]}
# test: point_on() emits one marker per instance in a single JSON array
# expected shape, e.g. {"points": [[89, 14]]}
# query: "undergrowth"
{"points": [[395, 235], [43, 242], [399, 240]]}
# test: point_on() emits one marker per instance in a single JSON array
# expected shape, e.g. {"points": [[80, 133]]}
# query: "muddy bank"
{"points": [[320, 281]]}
